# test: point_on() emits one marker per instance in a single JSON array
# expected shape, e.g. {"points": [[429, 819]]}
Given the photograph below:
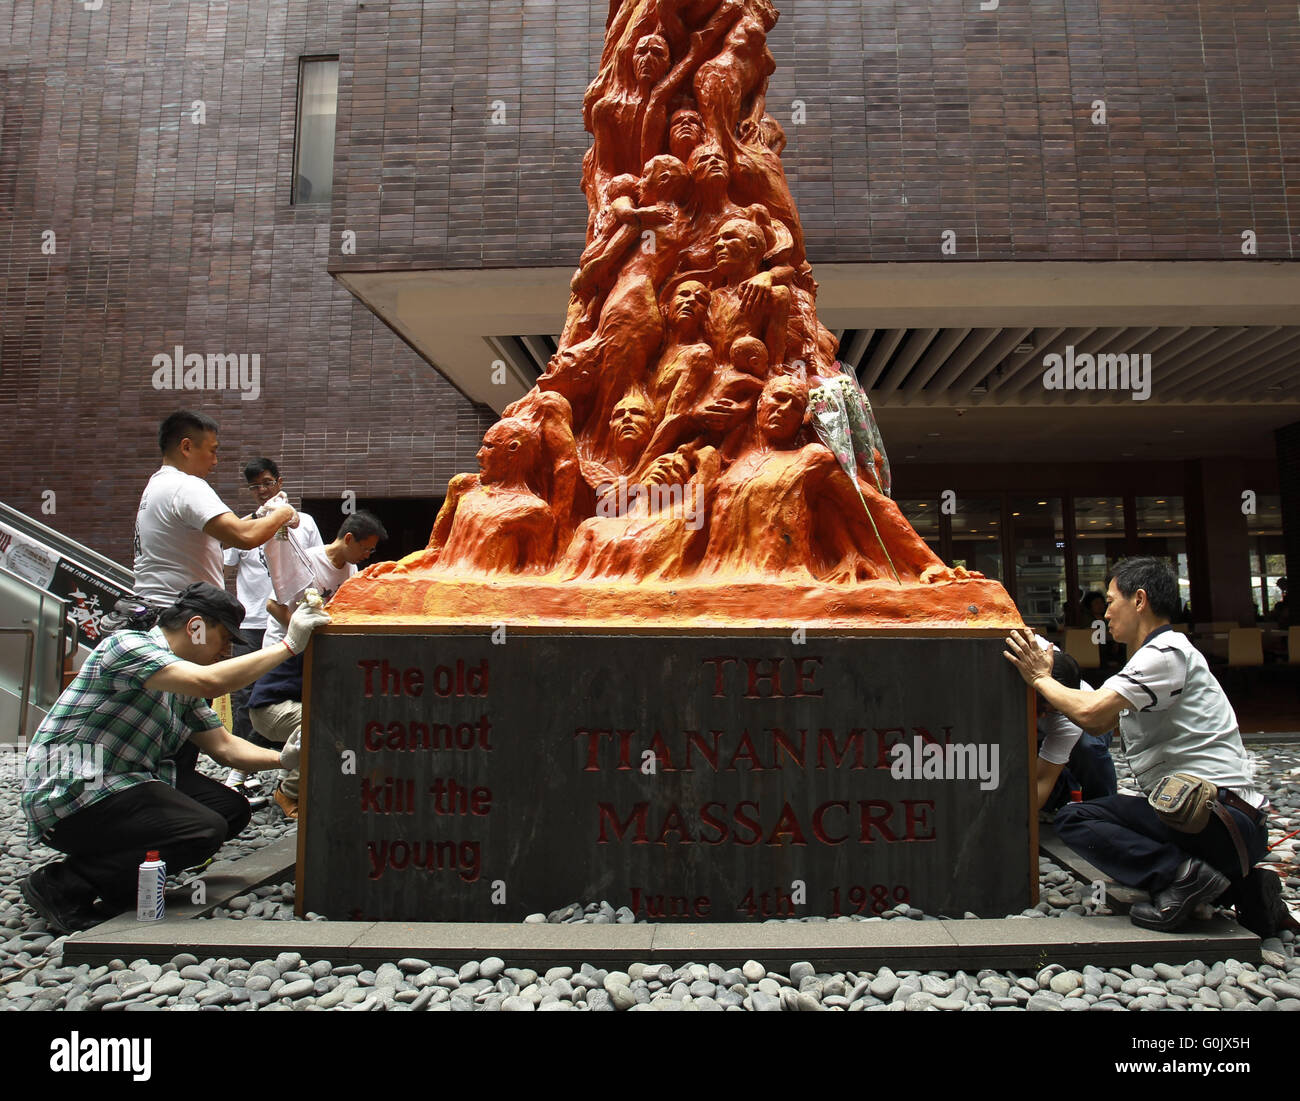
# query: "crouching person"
{"points": [[134, 705], [1069, 759], [1201, 828], [275, 704]]}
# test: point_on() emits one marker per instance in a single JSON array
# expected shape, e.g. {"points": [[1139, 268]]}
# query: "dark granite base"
{"points": [[720, 777]]}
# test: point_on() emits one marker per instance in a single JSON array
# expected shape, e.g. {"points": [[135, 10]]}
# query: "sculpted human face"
{"points": [[686, 132], [751, 358], [630, 422], [780, 409], [667, 179], [709, 165], [497, 456], [738, 247], [651, 59], [690, 303]]}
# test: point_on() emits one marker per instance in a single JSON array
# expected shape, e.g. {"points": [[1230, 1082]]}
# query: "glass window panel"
{"points": [[923, 515], [1267, 517], [1161, 531], [977, 535], [318, 85], [1099, 543], [1038, 536], [1274, 569]]}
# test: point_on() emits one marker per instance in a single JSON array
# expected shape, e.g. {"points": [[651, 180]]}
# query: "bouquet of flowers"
{"points": [[836, 405]]}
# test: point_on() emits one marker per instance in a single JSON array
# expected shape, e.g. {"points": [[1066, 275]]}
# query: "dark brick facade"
{"points": [[921, 117], [168, 232], [171, 233]]}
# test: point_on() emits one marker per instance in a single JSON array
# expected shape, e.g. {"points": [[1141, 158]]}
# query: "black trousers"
{"points": [[1125, 838], [106, 841], [243, 728]]}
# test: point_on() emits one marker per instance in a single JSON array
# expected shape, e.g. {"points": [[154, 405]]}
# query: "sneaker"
{"points": [[252, 781], [289, 806], [235, 779], [1170, 909], [62, 898]]}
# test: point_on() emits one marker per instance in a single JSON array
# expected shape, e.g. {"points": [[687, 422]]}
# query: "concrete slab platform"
{"points": [[226, 879], [1100, 941], [1001, 943], [1118, 897], [1006, 943]]}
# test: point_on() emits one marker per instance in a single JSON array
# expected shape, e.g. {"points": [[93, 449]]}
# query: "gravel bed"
{"points": [[32, 976]]}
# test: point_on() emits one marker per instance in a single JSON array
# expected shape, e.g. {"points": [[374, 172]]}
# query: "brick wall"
{"points": [[168, 232], [921, 117]]}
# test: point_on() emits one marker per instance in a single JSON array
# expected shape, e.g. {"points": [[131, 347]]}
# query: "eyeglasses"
{"points": [[264, 484]]}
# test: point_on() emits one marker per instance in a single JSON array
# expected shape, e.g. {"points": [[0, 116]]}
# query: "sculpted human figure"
{"points": [[643, 528], [614, 108], [719, 410], [746, 300], [630, 424], [733, 84], [757, 176], [690, 50], [493, 520], [711, 204], [662, 191], [631, 328], [786, 509], [687, 363], [549, 419]]}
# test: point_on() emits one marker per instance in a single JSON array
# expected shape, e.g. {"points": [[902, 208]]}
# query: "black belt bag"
{"points": [[1185, 802]]}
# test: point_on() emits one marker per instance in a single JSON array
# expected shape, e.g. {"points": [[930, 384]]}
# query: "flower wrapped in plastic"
{"points": [[864, 433], [829, 408]]}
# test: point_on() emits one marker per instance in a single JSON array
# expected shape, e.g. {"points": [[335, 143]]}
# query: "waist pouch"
{"points": [[1185, 802]]}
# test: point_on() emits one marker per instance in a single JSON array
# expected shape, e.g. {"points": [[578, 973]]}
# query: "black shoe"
{"points": [[62, 898], [1170, 908], [1259, 904]]}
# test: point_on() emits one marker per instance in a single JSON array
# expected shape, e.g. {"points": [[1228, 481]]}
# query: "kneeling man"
{"points": [[118, 728], [1174, 718]]}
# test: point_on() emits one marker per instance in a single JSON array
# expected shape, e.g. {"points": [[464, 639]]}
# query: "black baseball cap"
{"points": [[213, 603]]}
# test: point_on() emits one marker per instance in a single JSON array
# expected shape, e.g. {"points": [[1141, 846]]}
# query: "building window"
{"points": [[313, 168], [977, 535], [1038, 540], [1098, 543], [923, 515], [1267, 553], [1162, 532]]}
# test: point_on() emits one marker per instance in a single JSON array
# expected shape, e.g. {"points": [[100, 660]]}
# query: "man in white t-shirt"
{"points": [[1062, 742], [1173, 718], [275, 702], [253, 584], [181, 522]]}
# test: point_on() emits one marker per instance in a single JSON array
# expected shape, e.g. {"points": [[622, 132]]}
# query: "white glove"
{"points": [[271, 504], [289, 754], [277, 502], [301, 624]]}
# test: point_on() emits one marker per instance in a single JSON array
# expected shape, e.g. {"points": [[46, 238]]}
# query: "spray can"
{"points": [[150, 900]]}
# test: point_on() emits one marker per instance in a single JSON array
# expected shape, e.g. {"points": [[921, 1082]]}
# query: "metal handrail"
{"points": [[68, 547], [33, 644], [29, 669]]}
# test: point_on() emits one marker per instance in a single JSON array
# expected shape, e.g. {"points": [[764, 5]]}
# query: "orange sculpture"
{"points": [[669, 466]]}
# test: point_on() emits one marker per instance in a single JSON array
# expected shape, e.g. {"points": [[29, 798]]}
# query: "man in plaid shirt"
{"points": [[102, 784]]}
